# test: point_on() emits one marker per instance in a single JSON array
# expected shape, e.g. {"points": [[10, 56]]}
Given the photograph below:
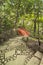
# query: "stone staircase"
{"points": [[25, 59], [15, 52], [36, 59]]}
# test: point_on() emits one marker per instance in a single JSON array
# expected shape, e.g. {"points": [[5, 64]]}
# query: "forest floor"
{"points": [[17, 52]]}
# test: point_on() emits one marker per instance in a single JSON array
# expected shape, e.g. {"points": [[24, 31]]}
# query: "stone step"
{"points": [[18, 52], [12, 55], [38, 55], [41, 61], [35, 60], [9, 53], [28, 57], [19, 60]]}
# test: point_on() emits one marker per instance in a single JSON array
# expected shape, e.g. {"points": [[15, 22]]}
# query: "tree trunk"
{"points": [[34, 27]]}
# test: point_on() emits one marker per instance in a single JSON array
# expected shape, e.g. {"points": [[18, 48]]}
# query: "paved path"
{"points": [[15, 52]]}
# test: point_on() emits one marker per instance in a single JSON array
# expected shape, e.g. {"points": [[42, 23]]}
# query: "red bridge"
{"points": [[23, 32]]}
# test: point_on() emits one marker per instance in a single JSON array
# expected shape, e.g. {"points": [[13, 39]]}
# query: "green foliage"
{"points": [[21, 12]]}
